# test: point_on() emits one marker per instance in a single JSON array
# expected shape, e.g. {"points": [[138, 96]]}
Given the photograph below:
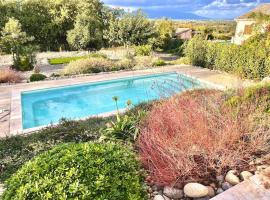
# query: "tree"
{"points": [[14, 41], [130, 29], [88, 28], [164, 33]]}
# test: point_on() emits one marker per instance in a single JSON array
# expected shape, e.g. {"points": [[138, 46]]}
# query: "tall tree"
{"points": [[88, 28], [130, 29]]}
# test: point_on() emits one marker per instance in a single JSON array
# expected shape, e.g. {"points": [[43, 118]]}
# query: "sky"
{"points": [[188, 9]]}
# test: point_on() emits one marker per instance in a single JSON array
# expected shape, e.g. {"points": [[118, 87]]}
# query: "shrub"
{"points": [[37, 77], [124, 64], [196, 136], [10, 76], [88, 65], [159, 62], [143, 50], [25, 59], [250, 60], [196, 51], [79, 171]]}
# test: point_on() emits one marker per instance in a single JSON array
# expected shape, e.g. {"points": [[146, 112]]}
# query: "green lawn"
{"points": [[65, 60]]}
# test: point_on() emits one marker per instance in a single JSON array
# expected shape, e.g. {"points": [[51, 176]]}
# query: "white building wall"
{"points": [[239, 37]]}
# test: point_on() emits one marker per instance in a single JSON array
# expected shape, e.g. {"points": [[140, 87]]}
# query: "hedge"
{"points": [[250, 60]]}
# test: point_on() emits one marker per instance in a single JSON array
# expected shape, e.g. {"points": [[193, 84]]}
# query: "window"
{"points": [[248, 30]]}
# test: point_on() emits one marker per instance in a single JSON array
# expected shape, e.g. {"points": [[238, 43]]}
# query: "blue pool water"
{"points": [[43, 107]]}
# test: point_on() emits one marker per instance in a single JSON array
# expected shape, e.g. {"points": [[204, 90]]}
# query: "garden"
{"points": [[193, 145]]}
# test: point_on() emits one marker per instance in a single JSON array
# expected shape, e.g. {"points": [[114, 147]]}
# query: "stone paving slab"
{"points": [[251, 189]]}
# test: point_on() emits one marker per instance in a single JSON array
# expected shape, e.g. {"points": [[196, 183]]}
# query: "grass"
{"points": [[65, 60]]}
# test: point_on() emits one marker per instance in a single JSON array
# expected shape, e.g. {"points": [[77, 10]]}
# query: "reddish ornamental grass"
{"points": [[193, 137], [10, 76]]}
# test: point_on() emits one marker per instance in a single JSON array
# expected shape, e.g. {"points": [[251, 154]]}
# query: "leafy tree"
{"points": [[88, 28], [165, 31], [13, 41], [130, 29]]}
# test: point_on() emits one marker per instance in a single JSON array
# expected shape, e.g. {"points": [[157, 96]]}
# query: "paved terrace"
{"points": [[10, 116]]}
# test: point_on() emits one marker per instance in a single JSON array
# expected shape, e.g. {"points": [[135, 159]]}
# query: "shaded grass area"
{"points": [[65, 60], [17, 150]]}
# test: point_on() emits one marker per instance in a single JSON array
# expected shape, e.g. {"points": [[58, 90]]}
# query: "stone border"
{"points": [[16, 111]]}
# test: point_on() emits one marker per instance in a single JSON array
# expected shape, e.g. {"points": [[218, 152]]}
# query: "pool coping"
{"points": [[16, 125]]}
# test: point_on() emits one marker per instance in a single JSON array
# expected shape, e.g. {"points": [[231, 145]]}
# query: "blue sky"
{"points": [[188, 9]]}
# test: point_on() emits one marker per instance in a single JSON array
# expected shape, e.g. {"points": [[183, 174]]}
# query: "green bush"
{"points": [[143, 50], [79, 171], [25, 59], [250, 60], [196, 51], [37, 77], [159, 62]]}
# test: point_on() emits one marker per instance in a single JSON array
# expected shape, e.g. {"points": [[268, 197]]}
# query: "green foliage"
{"points": [[196, 50], [79, 171], [159, 62], [250, 60], [37, 77], [64, 60], [15, 41], [129, 29], [88, 29], [126, 127], [143, 50], [17, 150]]}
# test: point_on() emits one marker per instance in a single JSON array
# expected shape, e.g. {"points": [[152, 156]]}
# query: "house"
{"points": [[184, 33], [245, 23]]}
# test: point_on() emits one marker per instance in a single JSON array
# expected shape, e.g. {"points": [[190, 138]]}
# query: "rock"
{"points": [[156, 188], [262, 167], [202, 198], [226, 186], [266, 80], [232, 178], [195, 190], [173, 192], [245, 175], [159, 197], [220, 190], [220, 178], [211, 191]]}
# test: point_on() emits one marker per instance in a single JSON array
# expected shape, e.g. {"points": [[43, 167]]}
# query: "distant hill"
{"points": [[173, 14]]}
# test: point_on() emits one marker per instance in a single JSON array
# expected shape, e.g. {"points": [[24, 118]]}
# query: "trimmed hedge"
{"points": [[79, 171], [250, 60]]}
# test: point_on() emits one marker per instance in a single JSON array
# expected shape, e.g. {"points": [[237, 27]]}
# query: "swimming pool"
{"points": [[48, 106]]}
